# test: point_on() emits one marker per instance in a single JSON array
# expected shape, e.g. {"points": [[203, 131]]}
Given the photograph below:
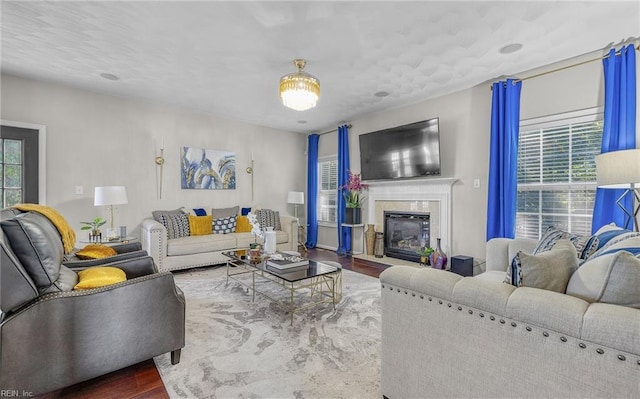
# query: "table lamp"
{"points": [[621, 170], [110, 196], [296, 198]]}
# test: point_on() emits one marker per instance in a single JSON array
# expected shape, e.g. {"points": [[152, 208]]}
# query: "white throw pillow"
{"points": [[611, 278]]}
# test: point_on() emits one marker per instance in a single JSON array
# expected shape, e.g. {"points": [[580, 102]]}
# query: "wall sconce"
{"points": [[160, 162], [250, 171]]}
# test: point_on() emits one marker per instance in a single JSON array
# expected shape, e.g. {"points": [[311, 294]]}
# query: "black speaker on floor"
{"points": [[462, 265]]}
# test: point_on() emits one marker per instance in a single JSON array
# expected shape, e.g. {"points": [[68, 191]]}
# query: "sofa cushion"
{"points": [[200, 225], [268, 218], [611, 278], [37, 244], [99, 276], [201, 244], [549, 270], [219, 213], [224, 225], [244, 239]]}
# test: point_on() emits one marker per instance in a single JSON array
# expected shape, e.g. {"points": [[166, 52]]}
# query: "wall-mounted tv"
{"points": [[401, 152]]}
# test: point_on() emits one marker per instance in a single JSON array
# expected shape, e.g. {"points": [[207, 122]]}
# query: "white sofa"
{"points": [[447, 336], [205, 250]]}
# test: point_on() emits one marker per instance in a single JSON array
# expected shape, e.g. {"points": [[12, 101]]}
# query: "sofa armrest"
{"points": [[290, 226], [73, 262], [500, 251], [133, 267], [154, 240], [128, 247]]}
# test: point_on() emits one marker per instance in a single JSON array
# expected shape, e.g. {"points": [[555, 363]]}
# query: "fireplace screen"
{"points": [[405, 233]]}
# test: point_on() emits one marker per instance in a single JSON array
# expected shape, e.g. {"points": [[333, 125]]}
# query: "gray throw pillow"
{"points": [[548, 270], [611, 278], [219, 213]]}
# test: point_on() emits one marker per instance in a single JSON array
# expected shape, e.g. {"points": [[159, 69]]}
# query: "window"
{"points": [[327, 189], [557, 173], [18, 166]]}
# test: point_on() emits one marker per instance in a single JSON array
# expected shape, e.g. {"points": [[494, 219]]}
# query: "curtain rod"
{"points": [[563, 68], [334, 130]]}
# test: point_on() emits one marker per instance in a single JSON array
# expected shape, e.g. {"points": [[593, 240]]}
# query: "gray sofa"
{"points": [[444, 335], [206, 250], [51, 336]]}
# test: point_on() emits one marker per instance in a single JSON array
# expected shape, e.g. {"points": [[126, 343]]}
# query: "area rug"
{"points": [[239, 348]]}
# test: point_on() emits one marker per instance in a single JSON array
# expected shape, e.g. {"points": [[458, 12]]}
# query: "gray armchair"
{"points": [[51, 336]]}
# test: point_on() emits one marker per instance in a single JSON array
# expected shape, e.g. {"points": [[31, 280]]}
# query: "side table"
{"points": [[353, 228], [125, 240]]}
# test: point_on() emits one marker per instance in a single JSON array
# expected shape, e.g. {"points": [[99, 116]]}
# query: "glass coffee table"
{"points": [[323, 281]]}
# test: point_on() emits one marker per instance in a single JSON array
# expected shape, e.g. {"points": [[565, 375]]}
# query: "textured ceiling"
{"points": [[226, 58]]}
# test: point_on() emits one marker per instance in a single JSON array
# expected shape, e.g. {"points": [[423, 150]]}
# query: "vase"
{"points": [[370, 238], [379, 246], [352, 216], [438, 258]]}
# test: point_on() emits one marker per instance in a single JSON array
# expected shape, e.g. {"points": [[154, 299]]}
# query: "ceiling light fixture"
{"points": [[299, 90], [109, 76], [510, 48]]}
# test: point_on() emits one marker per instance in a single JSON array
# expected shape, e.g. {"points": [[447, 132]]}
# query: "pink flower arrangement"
{"points": [[351, 191]]}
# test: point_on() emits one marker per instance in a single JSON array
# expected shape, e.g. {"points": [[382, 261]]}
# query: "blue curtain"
{"points": [[312, 191], [503, 159], [619, 131], [344, 233]]}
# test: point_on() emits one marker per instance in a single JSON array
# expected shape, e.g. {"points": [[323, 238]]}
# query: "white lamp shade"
{"points": [[295, 197], [618, 169], [110, 195]]}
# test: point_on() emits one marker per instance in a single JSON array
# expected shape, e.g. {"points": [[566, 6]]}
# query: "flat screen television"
{"points": [[401, 152]]}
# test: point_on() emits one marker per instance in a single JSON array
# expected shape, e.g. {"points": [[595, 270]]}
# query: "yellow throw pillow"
{"points": [[100, 276], [200, 225], [243, 225], [96, 251]]}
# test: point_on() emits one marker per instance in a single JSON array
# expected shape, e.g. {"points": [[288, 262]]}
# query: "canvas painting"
{"points": [[208, 169]]}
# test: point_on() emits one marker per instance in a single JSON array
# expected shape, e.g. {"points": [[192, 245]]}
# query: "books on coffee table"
{"points": [[282, 261]]}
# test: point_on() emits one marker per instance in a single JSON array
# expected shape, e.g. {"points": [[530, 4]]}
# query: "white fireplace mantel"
{"points": [[436, 189]]}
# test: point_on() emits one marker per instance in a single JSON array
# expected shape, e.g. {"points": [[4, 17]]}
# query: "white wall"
{"points": [[465, 131], [96, 140]]}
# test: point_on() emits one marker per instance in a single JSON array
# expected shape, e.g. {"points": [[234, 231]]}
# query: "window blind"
{"points": [[557, 175]]}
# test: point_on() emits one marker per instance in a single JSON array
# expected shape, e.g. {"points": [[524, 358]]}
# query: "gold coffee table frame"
{"points": [[323, 281]]}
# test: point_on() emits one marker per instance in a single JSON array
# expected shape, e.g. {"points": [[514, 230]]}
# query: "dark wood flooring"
{"points": [[142, 380]]}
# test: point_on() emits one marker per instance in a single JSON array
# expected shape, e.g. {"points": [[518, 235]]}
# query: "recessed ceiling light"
{"points": [[302, 122], [381, 94], [510, 48], [109, 76]]}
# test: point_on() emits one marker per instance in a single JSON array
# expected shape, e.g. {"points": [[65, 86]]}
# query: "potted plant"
{"points": [[94, 226], [424, 252], [353, 198]]}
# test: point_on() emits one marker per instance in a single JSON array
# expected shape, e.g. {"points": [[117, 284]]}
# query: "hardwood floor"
{"points": [[142, 380]]}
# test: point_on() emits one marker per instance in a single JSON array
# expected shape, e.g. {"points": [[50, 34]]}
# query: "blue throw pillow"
{"points": [[245, 211], [199, 211]]}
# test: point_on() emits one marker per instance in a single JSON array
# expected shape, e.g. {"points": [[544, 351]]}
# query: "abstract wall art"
{"points": [[206, 169]]}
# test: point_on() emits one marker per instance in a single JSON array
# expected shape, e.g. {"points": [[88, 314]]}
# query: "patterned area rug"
{"points": [[236, 348]]}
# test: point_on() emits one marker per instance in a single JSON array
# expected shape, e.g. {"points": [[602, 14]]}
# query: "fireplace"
{"points": [[405, 233]]}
